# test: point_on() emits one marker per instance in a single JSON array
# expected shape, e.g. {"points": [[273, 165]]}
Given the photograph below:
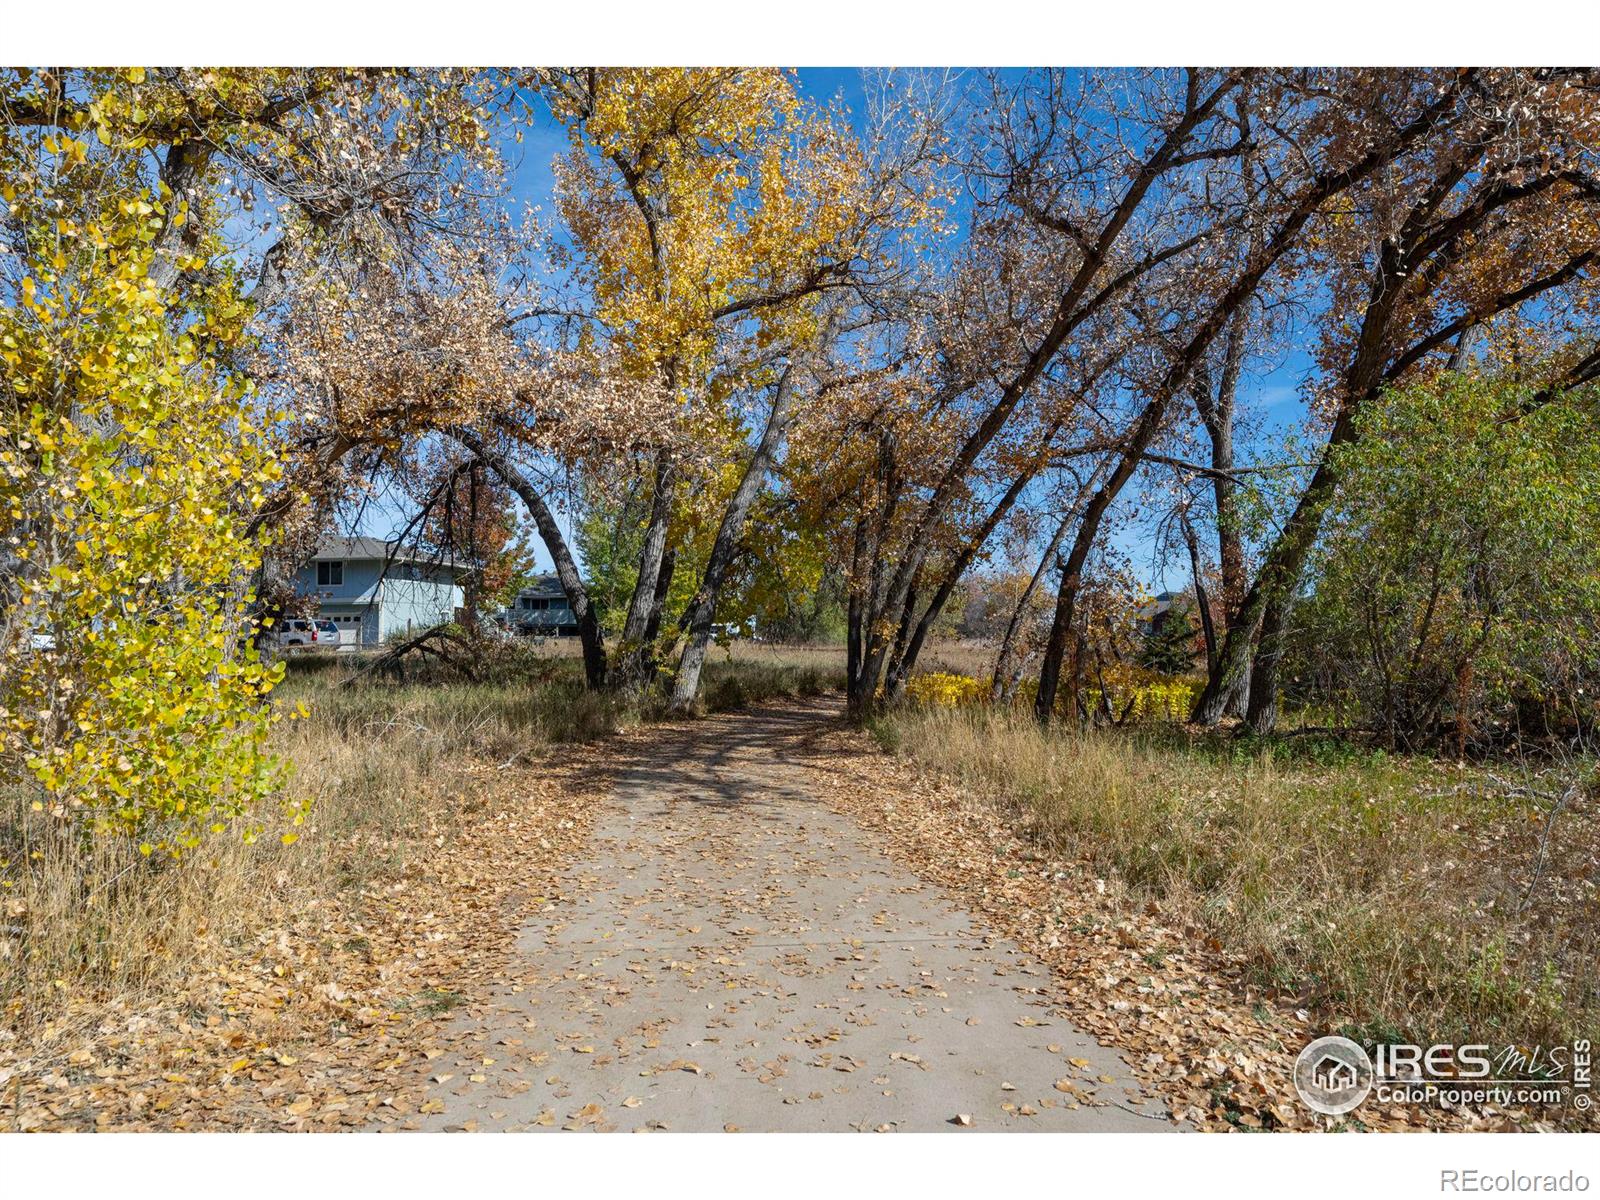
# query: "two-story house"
{"points": [[371, 589], [541, 608]]}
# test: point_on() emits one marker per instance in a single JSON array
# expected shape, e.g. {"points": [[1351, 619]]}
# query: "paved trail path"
{"points": [[734, 954]]}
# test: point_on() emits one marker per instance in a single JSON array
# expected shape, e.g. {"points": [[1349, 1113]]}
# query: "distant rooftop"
{"points": [[543, 585], [357, 548]]}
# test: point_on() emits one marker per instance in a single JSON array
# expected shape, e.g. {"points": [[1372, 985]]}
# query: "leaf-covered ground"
{"points": [[1217, 1049], [731, 953], [330, 1016]]}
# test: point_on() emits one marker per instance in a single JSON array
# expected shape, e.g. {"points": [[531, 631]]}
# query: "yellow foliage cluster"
{"points": [[946, 690], [690, 192], [130, 689], [1152, 697], [1157, 698]]}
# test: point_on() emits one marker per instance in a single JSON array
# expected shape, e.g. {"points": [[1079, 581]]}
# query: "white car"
{"points": [[304, 633]]}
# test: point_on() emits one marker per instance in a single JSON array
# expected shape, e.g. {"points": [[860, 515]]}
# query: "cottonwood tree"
{"points": [[1096, 175], [1328, 141], [156, 220], [277, 183], [708, 213], [436, 347], [1491, 211], [1020, 641], [128, 448]]}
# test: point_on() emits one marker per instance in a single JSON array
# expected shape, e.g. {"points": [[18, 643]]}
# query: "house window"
{"points": [[330, 574]]}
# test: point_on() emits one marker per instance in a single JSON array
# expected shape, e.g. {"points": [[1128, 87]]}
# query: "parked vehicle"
{"points": [[303, 633]]}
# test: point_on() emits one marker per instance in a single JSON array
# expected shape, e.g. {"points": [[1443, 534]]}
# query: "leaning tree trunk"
{"points": [[896, 666], [911, 638], [1217, 414], [1007, 668], [877, 598], [658, 601], [590, 635], [1062, 626], [1270, 596], [1202, 600], [1262, 682], [855, 620], [1279, 575], [697, 618]]}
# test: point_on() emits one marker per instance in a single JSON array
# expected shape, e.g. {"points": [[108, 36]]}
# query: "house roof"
{"points": [[357, 548], [543, 585], [1164, 602]]}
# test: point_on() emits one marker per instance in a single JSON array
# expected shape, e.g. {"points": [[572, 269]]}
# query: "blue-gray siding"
{"points": [[386, 606]]}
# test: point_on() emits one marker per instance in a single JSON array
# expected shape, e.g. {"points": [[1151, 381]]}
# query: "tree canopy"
{"points": [[766, 354]]}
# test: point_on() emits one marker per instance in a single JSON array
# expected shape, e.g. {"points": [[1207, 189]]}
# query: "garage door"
{"points": [[349, 630]]}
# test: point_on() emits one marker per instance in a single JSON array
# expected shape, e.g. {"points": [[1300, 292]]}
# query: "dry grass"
{"points": [[92, 918], [1391, 894], [86, 920], [95, 914]]}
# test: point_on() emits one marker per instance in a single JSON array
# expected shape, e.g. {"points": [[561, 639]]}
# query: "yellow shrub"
{"points": [[945, 690], [1170, 700]]}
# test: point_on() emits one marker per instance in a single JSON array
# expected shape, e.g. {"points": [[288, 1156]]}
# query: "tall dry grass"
{"points": [[1389, 892]]}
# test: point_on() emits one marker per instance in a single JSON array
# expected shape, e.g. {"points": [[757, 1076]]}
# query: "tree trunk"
{"points": [[636, 662], [855, 619], [658, 601], [908, 649], [1217, 414], [878, 598], [182, 170], [896, 666], [472, 581], [1202, 601], [697, 618], [911, 637], [1139, 439], [1271, 593], [590, 634], [1262, 713], [1266, 605], [1008, 671]]}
